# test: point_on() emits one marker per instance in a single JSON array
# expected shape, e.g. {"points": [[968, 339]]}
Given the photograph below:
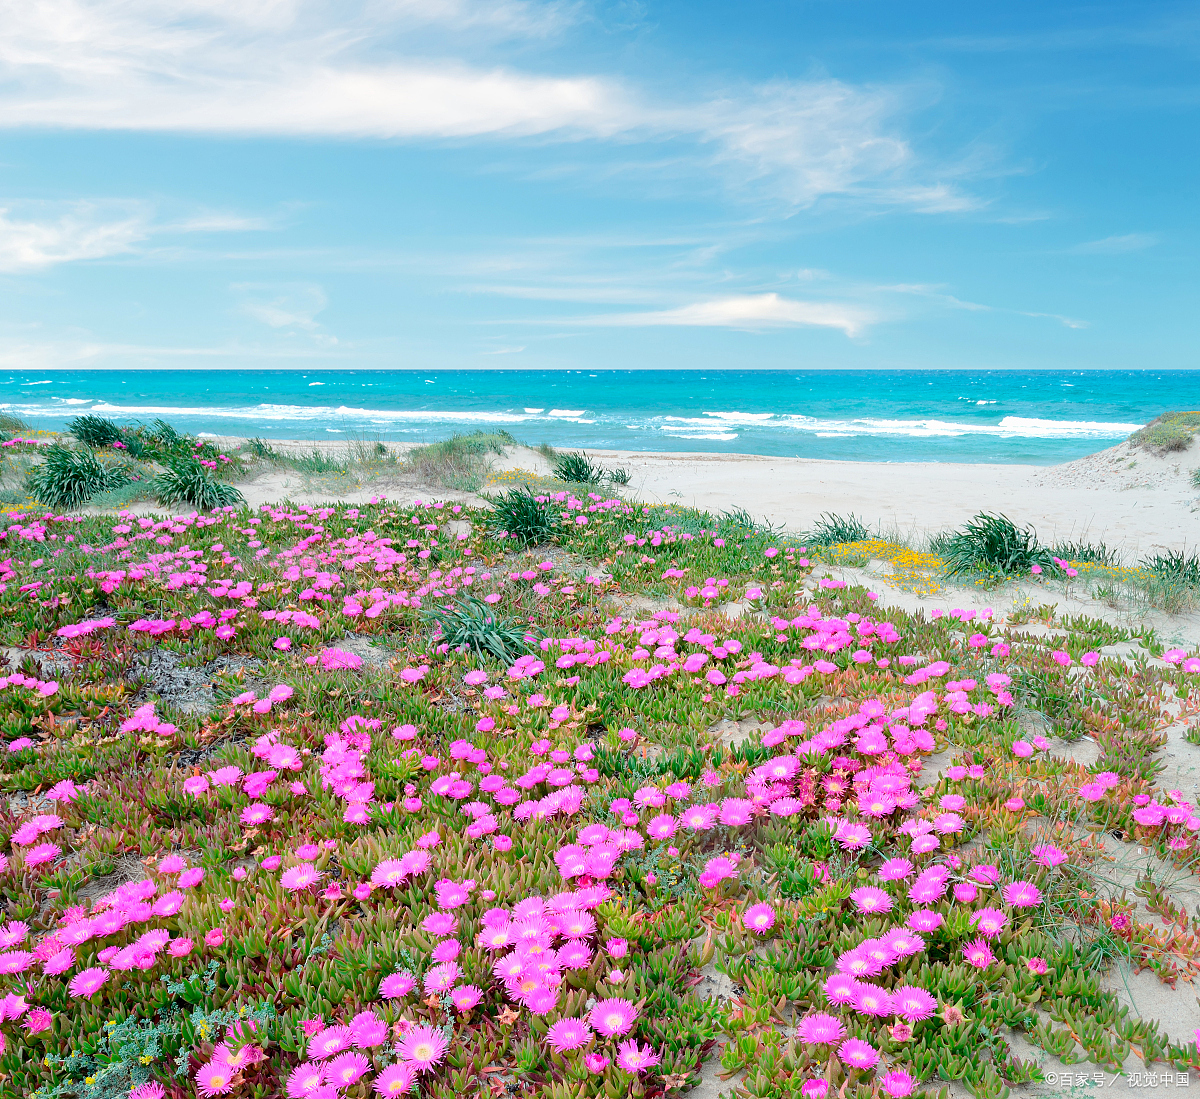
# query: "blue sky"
{"points": [[441, 183]]}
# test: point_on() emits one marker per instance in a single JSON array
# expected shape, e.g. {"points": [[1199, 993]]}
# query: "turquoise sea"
{"points": [[877, 416]]}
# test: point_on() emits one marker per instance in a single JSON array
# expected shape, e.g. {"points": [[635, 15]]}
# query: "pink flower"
{"points": [[396, 986], [613, 1017], [327, 1042], [759, 918], [898, 1084], [857, 1054], [568, 1034], [215, 937], [869, 899], [396, 1080], [634, 1058], [37, 1020], [346, 1069], [215, 1078], [297, 878], [1022, 894], [978, 954], [1036, 965], [423, 1047], [87, 982], [913, 1004], [820, 1029]]}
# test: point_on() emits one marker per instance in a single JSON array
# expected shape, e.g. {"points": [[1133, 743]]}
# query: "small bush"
{"points": [[186, 481], [621, 476], [470, 622], [577, 469], [524, 517], [1171, 431], [70, 478], [995, 545], [95, 431], [831, 529], [12, 424], [1196, 477]]}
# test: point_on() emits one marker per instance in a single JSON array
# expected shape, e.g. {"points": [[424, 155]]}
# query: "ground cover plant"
{"points": [[382, 800], [1172, 431]]}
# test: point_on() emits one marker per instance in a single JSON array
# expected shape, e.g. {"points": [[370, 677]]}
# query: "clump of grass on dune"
{"points": [[1172, 431], [459, 462], [994, 545], [454, 801]]}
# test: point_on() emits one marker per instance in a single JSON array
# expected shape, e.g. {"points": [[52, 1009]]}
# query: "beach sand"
{"points": [[1128, 498]]}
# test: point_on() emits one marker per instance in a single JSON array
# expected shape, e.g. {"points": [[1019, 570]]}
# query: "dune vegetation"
{"points": [[448, 801]]}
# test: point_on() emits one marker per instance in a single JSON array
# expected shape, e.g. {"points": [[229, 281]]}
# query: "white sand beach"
{"points": [[1128, 498]]}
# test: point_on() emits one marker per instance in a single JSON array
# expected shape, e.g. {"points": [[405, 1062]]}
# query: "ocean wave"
{"points": [[1009, 427], [309, 413]]}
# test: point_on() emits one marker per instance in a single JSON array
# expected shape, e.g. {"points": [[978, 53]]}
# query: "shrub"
{"points": [[95, 431], [994, 544], [524, 517], [1196, 477], [186, 481], [577, 469], [12, 424], [70, 478], [1169, 432], [470, 622], [831, 529], [621, 476]]}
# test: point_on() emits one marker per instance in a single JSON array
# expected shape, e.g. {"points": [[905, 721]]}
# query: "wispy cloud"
{"points": [[1115, 246], [81, 231], [749, 312], [938, 295], [287, 306], [307, 67], [38, 235]]}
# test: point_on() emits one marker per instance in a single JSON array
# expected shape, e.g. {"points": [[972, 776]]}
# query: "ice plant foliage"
{"points": [[370, 863]]}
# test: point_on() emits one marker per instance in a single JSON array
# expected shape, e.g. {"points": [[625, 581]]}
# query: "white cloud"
{"points": [[752, 312], [284, 306], [38, 235], [358, 68], [1113, 246], [80, 232]]}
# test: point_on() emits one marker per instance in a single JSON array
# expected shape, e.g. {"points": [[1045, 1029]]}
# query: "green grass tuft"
{"points": [[577, 469], [996, 546], [830, 529], [70, 478], [186, 481], [470, 623], [524, 517]]}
